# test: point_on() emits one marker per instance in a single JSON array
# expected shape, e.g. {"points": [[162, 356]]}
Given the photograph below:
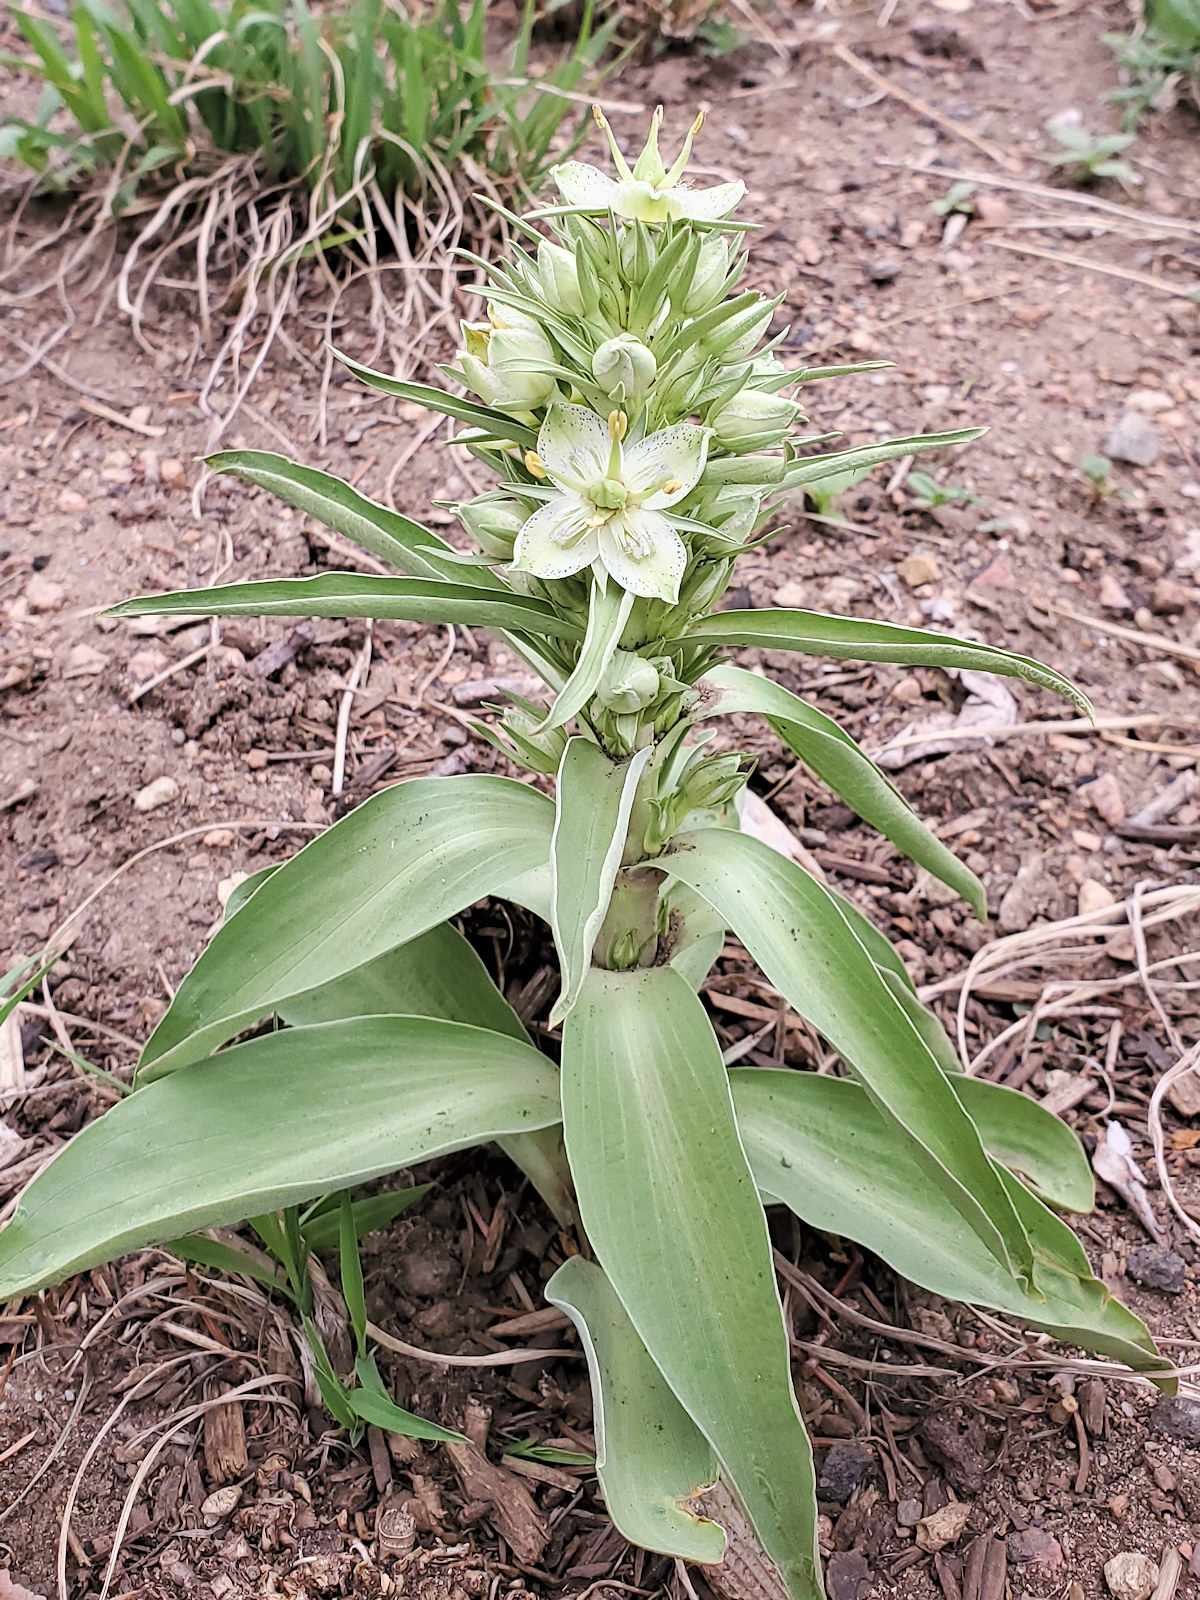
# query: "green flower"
{"points": [[649, 192], [611, 502]]}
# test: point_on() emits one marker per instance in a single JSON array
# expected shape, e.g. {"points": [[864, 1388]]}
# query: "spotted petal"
{"points": [[556, 541], [672, 455], [708, 205], [574, 446], [642, 551], [584, 186]]}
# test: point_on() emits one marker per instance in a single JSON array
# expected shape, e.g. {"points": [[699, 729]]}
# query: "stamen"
{"points": [[618, 426], [672, 486], [619, 160], [535, 464]]}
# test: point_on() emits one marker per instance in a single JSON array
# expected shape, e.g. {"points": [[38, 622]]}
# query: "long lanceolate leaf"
{"points": [[385, 533], [269, 1124], [813, 633], [394, 868], [495, 424], [607, 616], [794, 928], [651, 1458], [835, 758], [595, 799], [353, 594], [819, 1145], [669, 1205], [812, 469]]}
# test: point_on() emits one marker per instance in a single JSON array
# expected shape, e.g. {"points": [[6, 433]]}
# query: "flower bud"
{"points": [[477, 377], [519, 359], [712, 268], [629, 684], [753, 420], [559, 278], [624, 368], [493, 521]]}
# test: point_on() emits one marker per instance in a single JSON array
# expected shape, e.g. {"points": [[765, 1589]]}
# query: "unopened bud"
{"points": [[519, 359], [753, 420], [624, 368], [712, 268], [628, 685], [493, 521], [559, 278]]}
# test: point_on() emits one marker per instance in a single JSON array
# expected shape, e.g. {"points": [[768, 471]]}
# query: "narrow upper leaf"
{"points": [[835, 758], [669, 1205], [651, 1458], [595, 797], [267, 1124], [401, 863], [795, 929], [607, 617], [496, 424], [819, 1145], [355, 594], [385, 533], [852, 639], [811, 469]]}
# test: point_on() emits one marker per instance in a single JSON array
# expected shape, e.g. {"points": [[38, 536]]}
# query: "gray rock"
{"points": [[1177, 1417], [884, 268], [1156, 1267], [843, 1469], [1133, 440], [908, 1513], [847, 1575]]}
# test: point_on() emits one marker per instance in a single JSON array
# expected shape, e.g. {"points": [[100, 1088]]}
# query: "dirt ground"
{"points": [[154, 799]]}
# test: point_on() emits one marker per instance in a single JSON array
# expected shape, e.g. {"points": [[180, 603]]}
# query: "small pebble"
{"points": [[1131, 1575], [908, 1513], [1156, 1267], [160, 792], [843, 1469], [919, 568], [1133, 439], [43, 594], [1178, 1417]]}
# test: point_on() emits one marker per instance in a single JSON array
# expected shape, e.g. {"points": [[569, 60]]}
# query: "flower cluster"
{"points": [[625, 343]]}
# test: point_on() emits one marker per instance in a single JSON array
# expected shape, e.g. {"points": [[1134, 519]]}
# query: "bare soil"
{"points": [[1049, 354]]}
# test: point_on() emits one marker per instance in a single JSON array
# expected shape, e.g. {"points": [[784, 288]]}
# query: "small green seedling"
{"points": [[1088, 157], [1098, 472], [1160, 59], [959, 197], [822, 495], [929, 494]]}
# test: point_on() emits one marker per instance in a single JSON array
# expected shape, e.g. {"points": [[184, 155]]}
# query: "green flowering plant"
{"points": [[628, 398]]}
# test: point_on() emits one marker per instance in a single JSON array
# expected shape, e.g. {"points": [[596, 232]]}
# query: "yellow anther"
{"points": [[535, 464], [672, 486], [618, 426]]}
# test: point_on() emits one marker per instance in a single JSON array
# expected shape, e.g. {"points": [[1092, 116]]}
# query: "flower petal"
{"points": [[574, 446], [642, 551], [708, 205], [556, 541], [581, 185], [672, 455]]}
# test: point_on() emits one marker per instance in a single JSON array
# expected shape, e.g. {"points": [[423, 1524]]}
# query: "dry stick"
{"points": [[1074, 725], [1041, 191], [922, 108], [1151, 641], [97, 408], [169, 672], [361, 666], [152, 1455], [1106, 268], [501, 1358], [1182, 1067]]}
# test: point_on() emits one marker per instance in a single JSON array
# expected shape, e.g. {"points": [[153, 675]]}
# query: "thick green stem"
{"points": [[628, 936]]}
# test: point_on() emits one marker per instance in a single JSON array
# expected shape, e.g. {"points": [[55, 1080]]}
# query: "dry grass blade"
{"points": [[501, 1358], [1108, 269]]}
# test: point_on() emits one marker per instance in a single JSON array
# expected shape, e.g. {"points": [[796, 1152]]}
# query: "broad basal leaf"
{"points": [[798, 933], [819, 1145], [267, 1124], [1029, 1141], [852, 639], [651, 1458], [595, 797], [394, 868], [669, 1205], [835, 758], [355, 594], [393, 538]]}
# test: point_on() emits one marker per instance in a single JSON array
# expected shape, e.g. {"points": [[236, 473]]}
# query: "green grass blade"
{"points": [[835, 758], [813, 633], [400, 864], [669, 1205], [796, 930], [269, 1124], [651, 1458], [321, 1229]]}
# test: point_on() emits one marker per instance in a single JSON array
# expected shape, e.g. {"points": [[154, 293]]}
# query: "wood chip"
{"points": [[225, 1442]]}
